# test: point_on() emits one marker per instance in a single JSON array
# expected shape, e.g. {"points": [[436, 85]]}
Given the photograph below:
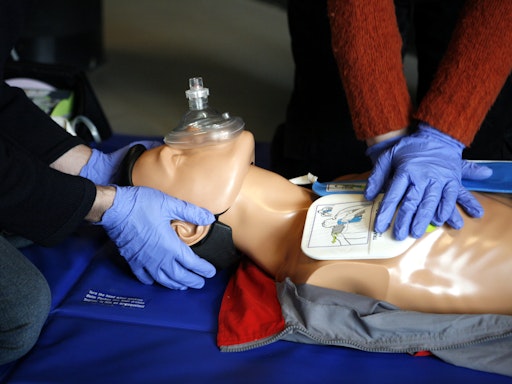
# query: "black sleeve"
{"points": [[36, 201], [22, 122], [24, 125]]}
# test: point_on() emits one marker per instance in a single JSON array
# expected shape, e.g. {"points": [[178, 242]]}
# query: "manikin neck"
{"points": [[268, 218]]}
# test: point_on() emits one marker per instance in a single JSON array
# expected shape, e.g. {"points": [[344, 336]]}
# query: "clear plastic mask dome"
{"points": [[202, 125]]}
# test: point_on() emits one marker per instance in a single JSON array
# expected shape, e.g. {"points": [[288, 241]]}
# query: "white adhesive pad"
{"points": [[340, 227]]}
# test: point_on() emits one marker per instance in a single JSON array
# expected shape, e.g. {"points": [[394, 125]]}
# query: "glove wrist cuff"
{"points": [[427, 130], [87, 170], [375, 150]]}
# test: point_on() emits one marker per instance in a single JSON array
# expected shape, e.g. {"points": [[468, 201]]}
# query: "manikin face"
{"points": [[208, 176]]}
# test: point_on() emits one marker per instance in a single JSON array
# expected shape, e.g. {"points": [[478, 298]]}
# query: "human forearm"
{"points": [[73, 160], [103, 201], [386, 136]]}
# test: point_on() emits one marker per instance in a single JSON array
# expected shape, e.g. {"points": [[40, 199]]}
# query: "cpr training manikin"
{"points": [[209, 161]]}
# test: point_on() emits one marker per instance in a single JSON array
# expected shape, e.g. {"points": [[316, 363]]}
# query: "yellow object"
{"points": [[63, 107]]}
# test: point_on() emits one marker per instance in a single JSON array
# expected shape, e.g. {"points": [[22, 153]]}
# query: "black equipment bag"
{"points": [[90, 122]]}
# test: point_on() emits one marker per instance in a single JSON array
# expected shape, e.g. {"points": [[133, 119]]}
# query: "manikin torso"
{"points": [[446, 271]]}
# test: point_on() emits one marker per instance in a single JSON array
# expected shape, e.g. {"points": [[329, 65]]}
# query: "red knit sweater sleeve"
{"points": [[473, 71], [367, 47]]}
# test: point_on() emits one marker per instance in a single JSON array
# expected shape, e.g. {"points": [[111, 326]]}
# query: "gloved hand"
{"points": [[427, 169], [473, 171], [102, 168], [139, 223]]}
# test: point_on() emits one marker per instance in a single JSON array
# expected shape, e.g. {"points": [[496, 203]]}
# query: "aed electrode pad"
{"points": [[340, 227]]}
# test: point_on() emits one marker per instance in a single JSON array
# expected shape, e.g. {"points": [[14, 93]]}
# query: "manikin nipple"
{"points": [[202, 125]]}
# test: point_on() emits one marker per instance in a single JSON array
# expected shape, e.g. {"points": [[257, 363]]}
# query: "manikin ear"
{"points": [[190, 233]]}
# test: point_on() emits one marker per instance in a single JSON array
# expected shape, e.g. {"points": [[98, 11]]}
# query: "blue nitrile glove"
{"points": [[139, 224], [378, 149], [102, 168], [469, 171], [426, 169], [474, 171]]}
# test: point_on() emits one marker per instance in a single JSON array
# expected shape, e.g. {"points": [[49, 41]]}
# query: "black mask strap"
{"points": [[124, 177], [217, 246]]}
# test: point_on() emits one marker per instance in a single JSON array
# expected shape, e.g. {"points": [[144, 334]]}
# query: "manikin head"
{"points": [[204, 161], [209, 175], [205, 157]]}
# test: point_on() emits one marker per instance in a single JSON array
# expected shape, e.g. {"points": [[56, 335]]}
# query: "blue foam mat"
{"points": [[172, 339], [149, 334]]}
